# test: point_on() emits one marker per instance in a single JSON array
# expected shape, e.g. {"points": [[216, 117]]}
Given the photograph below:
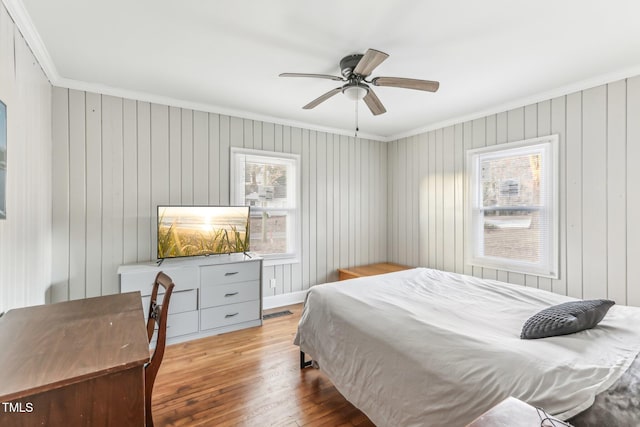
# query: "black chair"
{"points": [[157, 314]]}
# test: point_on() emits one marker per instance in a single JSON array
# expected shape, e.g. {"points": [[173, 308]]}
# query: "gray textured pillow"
{"points": [[566, 318]]}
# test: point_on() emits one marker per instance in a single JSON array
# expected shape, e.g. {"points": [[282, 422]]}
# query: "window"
{"points": [[512, 206], [268, 182]]}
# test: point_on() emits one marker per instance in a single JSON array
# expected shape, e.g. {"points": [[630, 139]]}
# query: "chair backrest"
{"points": [[157, 314]]}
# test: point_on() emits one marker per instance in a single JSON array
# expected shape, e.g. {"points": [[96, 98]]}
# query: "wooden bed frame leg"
{"points": [[303, 363]]}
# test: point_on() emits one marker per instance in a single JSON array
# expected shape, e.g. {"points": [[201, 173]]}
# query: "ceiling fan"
{"points": [[355, 70]]}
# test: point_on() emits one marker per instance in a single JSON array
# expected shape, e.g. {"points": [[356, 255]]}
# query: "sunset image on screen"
{"points": [[202, 230]]}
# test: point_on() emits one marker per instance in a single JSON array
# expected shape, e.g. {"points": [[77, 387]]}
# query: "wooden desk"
{"points": [[370, 270], [76, 363]]}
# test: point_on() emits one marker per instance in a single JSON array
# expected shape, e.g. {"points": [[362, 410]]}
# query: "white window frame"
{"points": [[237, 159], [548, 266]]}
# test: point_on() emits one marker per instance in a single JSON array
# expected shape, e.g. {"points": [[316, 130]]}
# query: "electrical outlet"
{"points": [[272, 283]]}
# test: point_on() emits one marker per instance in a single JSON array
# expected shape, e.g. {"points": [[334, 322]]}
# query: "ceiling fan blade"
{"points": [[426, 85], [374, 104], [315, 76], [371, 59], [322, 98]]}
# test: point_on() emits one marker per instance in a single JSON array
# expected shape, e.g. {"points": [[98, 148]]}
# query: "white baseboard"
{"points": [[284, 299]]}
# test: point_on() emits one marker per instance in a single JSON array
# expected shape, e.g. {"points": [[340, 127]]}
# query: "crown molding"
{"points": [[499, 108], [589, 83], [24, 23]]}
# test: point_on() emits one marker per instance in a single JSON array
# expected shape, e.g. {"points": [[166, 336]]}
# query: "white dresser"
{"points": [[212, 295]]}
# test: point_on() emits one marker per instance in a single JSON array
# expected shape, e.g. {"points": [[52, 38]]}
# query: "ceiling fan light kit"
{"points": [[355, 69], [355, 92]]}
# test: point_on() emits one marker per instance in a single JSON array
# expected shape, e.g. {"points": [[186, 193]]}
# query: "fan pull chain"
{"points": [[356, 134]]}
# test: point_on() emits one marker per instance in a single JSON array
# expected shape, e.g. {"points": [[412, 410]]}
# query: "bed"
{"points": [[424, 347]]}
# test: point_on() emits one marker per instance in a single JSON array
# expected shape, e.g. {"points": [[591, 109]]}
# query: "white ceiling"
{"points": [[225, 55]]}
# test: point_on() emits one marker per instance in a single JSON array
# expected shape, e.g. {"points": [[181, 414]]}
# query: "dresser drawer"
{"points": [[183, 278], [225, 315], [179, 324], [182, 324], [229, 273], [215, 295], [181, 301]]}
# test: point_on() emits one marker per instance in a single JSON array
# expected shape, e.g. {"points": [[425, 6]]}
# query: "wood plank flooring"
{"points": [[248, 378]]}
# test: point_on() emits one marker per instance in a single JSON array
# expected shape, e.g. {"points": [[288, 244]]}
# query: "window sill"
{"points": [[510, 268]]}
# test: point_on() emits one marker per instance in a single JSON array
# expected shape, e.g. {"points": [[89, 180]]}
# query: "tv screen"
{"points": [[202, 230]]}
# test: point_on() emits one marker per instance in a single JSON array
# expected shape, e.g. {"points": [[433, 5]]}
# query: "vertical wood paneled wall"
{"points": [[115, 159], [599, 133], [25, 235]]}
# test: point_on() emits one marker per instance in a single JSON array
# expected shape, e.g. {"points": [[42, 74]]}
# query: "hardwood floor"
{"points": [[248, 378]]}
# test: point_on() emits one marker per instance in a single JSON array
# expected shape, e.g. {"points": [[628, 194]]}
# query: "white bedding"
{"points": [[424, 347]]}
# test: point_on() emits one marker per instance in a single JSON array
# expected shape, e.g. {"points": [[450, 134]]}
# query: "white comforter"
{"points": [[428, 348]]}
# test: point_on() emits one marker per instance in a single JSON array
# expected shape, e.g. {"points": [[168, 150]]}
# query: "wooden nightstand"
{"points": [[512, 412], [370, 270]]}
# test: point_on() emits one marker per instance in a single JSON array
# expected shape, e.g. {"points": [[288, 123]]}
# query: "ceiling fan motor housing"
{"points": [[348, 64]]}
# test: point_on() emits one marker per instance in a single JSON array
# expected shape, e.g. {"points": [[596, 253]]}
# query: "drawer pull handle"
{"points": [[231, 273], [231, 294], [230, 315]]}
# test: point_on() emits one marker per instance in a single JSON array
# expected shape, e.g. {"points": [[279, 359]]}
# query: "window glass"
{"points": [[513, 209], [267, 182]]}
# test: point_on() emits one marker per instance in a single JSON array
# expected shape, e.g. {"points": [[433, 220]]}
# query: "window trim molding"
{"points": [[515, 266], [276, 259]]}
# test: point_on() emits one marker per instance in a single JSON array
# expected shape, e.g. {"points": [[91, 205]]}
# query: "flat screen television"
{"points": [[185, 231]]}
